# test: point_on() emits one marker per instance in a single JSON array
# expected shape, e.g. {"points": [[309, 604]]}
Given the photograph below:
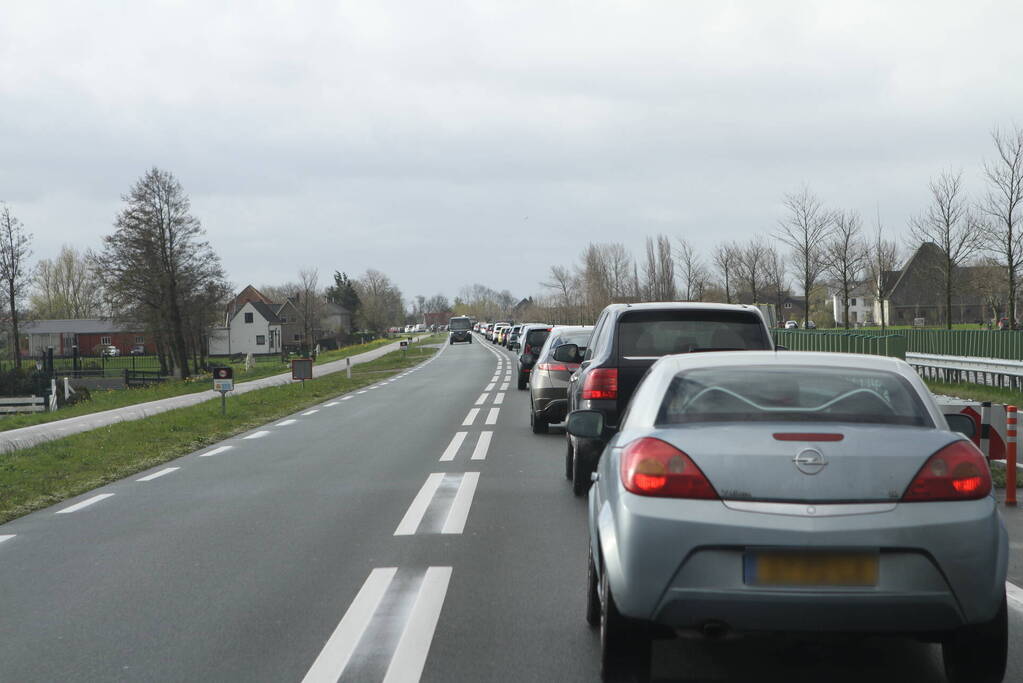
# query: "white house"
{"points": [[253, 328], [861, 306]]}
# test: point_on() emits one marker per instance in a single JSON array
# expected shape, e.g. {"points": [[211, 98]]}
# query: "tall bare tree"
{"points": [[845, 256], [15, 250], [884, 258], [562, 282], [776, 277], [382, 304], [805, 230], [310, 304], [948, 223], [725, 260], [691, 270], [66, 287], [752, 266], [659, 270], [1002, 206]]}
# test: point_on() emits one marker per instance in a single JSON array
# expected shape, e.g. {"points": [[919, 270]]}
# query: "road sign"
{"points": [[403, 343], [223, 379], [302, 368]]}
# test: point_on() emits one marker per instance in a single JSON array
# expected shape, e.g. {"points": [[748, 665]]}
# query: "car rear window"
{"points": [[580, 338], [646, 334], [791, 394], [536, 337], [457, 324]]}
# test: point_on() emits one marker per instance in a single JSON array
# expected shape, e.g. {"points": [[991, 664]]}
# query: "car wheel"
{"points": [[538, 425], [977, 653], [522, 381], [580, 474], [624, 647], [568, 459], [592, 592]]}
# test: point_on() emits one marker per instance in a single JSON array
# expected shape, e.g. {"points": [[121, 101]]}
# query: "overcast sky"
{"points": [[446, 143]]}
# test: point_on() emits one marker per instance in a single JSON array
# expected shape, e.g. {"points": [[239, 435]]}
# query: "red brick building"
{"points": [[88, 334]]}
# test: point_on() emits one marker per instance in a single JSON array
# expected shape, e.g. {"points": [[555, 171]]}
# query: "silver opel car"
{"points": [[790, 491]]}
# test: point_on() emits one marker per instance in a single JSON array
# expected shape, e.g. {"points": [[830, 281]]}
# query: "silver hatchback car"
{"points": [[790, 491]]}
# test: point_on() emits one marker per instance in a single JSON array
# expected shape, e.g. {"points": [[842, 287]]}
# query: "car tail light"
{"points": [[651, 467], [557, 367], [602, 383], [956, 472], [528, 350]]}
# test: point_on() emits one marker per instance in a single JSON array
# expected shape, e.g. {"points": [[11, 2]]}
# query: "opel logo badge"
{"points": [[810, 461]]}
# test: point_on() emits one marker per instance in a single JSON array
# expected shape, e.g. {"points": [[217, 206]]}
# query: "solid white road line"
{"points": [[410, 655], [499, 399], [482, 446], [85, 503], [410, 522], [483, 398], [6, 537], [459, 512], [333, 659], [471, 417], [311, 412], [215, 451], [490, 387], [504, 387], [492, 416], [157, 475], [1015, 596], [257, 435], [285, 423], [452, 449]]}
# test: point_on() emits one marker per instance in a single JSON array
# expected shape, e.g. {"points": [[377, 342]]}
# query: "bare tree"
{"points": [[381, 301], [752, 266], [726, 260], [562, 282], [1002, 206], [659, 270], [310, 304], [884, 257], [15, 273], [691, 270], [776, 277], [805, 230], [948, 223], [845, 255], [66, 287]]}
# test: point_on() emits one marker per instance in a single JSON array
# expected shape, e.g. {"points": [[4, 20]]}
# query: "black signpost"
{"points": [[223, 381]]}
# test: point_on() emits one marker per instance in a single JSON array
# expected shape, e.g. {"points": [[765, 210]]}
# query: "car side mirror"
{"points": [[585, 424], [567, 353], [963, 424]]}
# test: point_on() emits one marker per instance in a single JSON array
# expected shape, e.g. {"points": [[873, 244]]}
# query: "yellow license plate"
{"points": [[773, 568]]}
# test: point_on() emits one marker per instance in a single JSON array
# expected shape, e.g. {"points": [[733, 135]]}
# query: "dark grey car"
{"points": [[549, 378]]}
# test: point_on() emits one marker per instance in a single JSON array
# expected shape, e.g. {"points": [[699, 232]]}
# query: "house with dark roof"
{"points": [[252, 327]]}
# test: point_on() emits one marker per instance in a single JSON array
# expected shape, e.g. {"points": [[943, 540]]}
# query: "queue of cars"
{"points": [[741, 487]]}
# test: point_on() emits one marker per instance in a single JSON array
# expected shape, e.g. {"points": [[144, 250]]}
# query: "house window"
{"points": [[297, 337], [852, 302], [104, 340], [260, 340], [139, 339], [788, 304], [284, 319], [248, 317]]}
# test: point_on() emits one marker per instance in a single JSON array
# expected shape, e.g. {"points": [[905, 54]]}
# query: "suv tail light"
{"points": [[601, 383], [956, 472], [558, 367], [651, 467]]}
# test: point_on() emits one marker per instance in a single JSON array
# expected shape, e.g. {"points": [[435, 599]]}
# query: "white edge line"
{"points": [[410, 655], [85, 503], [311, 412], [414, 515], [157, 475], [347, 398], [482, 446], [455, 523], [331, 404], [257, 435], [452, 450], [215, 451], [285, 423], [6, 537], [1015, 595], [338, 649]]}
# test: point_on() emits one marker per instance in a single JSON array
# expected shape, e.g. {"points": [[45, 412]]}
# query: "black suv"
{"points": [[626, 341]]}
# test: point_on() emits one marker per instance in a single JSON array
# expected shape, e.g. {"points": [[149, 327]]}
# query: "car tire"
{"points": [[977, 653], [523, 378], [538, 425], [625, 647], [568, 459], [580, 474], [592, 592]]}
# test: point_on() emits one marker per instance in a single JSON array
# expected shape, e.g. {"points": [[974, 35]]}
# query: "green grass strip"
{"points": [[46, 474]]}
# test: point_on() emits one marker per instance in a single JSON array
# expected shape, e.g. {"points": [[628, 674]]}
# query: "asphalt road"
{"points": [[362, 540]]}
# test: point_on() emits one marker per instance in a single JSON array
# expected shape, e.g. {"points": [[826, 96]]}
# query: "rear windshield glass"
{"points": [[658, 333], [460, 324], [791, 394], [537, 337], [580, 339]]}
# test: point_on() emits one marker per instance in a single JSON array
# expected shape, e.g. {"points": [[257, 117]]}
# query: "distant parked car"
{"points": [[138, 350], [811, 325], [791, 325], [106, 350]]}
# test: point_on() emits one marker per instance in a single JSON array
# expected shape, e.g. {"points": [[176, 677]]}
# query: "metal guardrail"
{"points": [[892, 345], [1005, 344], [996, 372]]}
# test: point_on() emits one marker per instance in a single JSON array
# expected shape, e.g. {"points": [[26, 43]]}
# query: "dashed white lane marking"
{"points": [[157, 475], [361, 392], [311, 412], [85, 503], [504, 387], [331, 404], [492, 416], [1015, 596], [499, 399], [483, 398], [6, 537], [471, 417], [285, 423], [414, 515], [452, 449], [347, 398], [490, 387], [410, 655], [215, 451], [334, 657], [455, 523], [482, 446], [257, 435]]}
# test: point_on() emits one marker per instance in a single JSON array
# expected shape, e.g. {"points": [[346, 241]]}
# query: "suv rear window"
{"points": [[537, 337], [645, 334], [458, 324]]}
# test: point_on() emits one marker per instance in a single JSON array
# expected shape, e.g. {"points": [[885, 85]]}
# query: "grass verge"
{"points": [[43, 475], [101, 400]]}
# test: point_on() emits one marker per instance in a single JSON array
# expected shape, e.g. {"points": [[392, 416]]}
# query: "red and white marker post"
{"points": [[1010, 456]]}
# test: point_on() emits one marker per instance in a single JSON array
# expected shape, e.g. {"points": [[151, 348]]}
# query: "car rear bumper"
{"points": [[460, 336]]}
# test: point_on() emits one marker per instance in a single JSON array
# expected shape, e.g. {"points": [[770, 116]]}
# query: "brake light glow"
{"points": [[557, 367], [956, 472], [601, 383], [651, 467]]}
